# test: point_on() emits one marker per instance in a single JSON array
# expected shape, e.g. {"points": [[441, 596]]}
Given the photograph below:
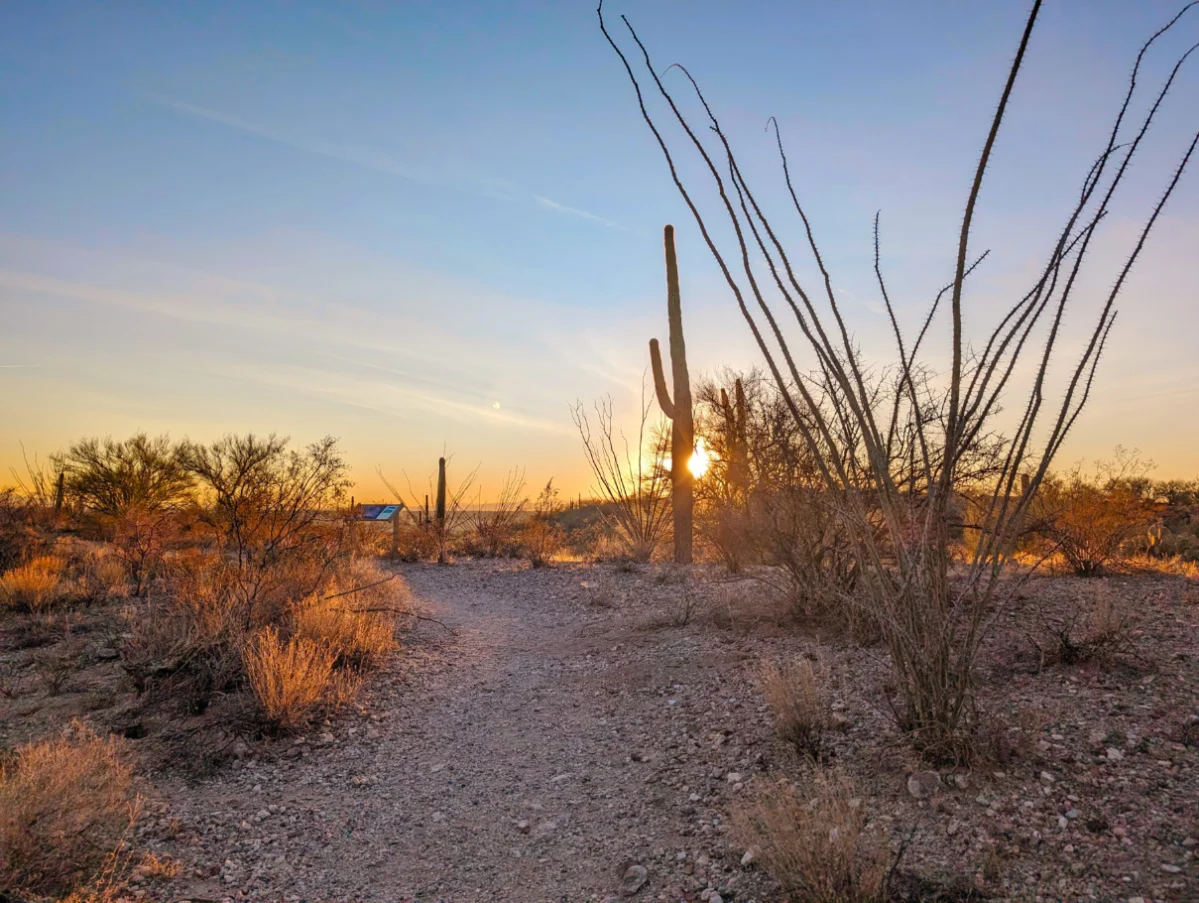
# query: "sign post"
{"points": [[385, 513]]}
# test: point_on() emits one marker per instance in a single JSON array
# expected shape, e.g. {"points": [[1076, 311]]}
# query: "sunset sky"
{"points": [[421, 226]]}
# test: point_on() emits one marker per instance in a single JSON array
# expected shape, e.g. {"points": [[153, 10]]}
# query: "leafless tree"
{"points": [[495, 527], [863, 440], [636, 489]]}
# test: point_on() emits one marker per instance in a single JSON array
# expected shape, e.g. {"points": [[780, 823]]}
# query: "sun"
{"points": [[701, 459]]}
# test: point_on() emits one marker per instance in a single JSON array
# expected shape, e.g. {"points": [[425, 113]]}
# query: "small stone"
{"points": [[734, 777], [523, 826], [1072, 814], [953, 827], [748, 858], [1062, 822], [439, 816], [634, 879], [715, 898], [1114, 755], [107, 654], [1172, 869], [923, 784], [1047, 777]]}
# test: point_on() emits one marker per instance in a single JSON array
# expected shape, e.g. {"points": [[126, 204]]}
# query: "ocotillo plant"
{"points": [[682, 427]]}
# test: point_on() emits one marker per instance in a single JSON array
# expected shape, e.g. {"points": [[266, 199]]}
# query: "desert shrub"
{"points": [[357, 618], [541, 537], [494, 530], [21, 536], [817, 847], [1089, 515], [762, 500], [357, 639], [34, 586], [107, 478], [801, 710], [634, 487], [1098, 628], [98, 576], [289, 678], [416, 542], [65, 805], [139, 540]]}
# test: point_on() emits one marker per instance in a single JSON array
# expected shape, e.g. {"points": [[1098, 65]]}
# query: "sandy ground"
{"points": [[573, 728]]}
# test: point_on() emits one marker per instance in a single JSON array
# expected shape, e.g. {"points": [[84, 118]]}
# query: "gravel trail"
{"points": [[537, 754]]}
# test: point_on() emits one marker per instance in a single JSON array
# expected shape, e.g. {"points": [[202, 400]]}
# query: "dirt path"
{"points": [[538, 754]]}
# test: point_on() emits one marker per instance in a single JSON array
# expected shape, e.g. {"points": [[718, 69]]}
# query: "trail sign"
{"points": [[378, 512]]}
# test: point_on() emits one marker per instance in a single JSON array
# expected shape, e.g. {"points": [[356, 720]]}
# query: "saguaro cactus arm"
{"points": [[655, 360]]}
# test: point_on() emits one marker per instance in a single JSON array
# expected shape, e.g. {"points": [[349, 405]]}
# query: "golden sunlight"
{"points": [[701, 459]]}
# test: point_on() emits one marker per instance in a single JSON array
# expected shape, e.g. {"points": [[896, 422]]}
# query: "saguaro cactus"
{"points": [[439, 524], [682, 427], [736, 437]]}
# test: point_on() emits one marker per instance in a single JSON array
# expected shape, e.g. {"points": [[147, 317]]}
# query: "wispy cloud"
{"points": [[369, 158], [574, 211]]}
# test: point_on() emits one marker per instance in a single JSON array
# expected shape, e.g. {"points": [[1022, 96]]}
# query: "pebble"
{"points": [[923, 784], [634, 879]]}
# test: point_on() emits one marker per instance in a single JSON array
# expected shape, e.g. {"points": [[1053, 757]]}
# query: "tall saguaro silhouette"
{"points": [[678, 410]]}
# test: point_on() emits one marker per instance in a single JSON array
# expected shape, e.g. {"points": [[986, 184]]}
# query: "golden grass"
{"points": [[289, 679], [34, 586], [65, 807], [819, 849], [358, 639], [801, 711]]}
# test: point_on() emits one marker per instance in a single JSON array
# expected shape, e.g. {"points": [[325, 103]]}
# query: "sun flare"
{"points": [[701, 459]]}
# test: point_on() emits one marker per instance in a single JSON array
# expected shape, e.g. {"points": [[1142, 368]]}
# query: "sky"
{"points": [[429, 227]]}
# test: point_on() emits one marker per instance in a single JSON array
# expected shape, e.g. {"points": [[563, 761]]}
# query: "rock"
{"points": [[749, 858], [1114, 755], [1072, 814], [107, 654], [953, 827], [1172, 869], [634, 879], [734, 777], [523, 826], [1047, 777], [715, 898], [923, 784]]}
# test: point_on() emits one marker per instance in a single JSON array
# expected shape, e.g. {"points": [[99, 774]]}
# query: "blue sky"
{"points": [[421, 226]]}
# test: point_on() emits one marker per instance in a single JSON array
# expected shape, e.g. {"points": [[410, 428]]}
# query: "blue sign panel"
{"points": [[378, 512]]}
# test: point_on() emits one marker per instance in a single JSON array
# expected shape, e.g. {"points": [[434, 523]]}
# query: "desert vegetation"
{"points": [[841, 629]]}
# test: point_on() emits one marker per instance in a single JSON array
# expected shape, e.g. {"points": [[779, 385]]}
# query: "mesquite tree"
{"points": [[892, 456]]}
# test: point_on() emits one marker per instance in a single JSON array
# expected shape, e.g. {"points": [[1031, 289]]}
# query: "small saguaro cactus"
{"points": [[439, 524], [736, 439], [678, 410]]}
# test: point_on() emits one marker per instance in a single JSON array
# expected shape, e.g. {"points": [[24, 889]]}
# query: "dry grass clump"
{"points": [[34, 586], [819, 849], [357, 639], [801, 711], [99, 577], [1097, 630], [356, 619], [65, 805], [289, 678]]}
